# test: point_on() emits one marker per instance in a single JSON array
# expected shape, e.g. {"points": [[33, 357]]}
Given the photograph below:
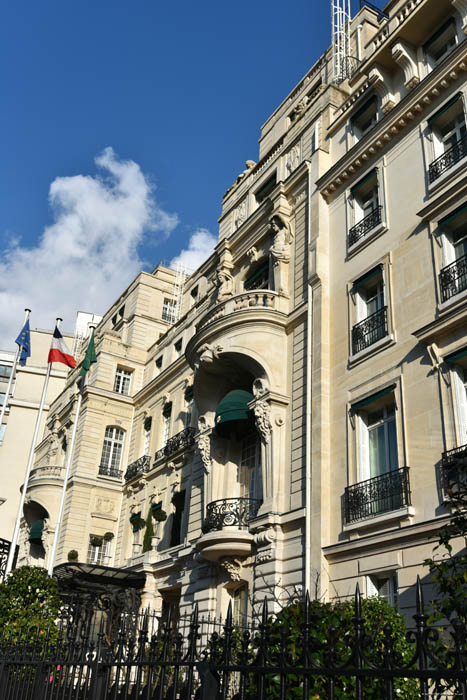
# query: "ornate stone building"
{"points": [[296, 410]]}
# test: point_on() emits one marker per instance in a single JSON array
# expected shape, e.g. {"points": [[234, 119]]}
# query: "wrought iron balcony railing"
{"points": [[139, 466], [449, 158], [381, 494], [365, 225], [454, 467], [114, 473], [370, 330], [453, 278], [180, 441], [228, 512]]}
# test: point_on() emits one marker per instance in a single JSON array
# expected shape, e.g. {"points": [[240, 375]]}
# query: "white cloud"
{"points": [[86, 258], [200, 247]]}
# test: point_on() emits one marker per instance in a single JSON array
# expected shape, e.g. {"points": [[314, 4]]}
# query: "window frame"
{"points": [[122, 381], [259, 269], [101, 552], [393, 586], [358, 311], [355, 213], [114, 443], [431, 62], [355, 129], [166, 315]]}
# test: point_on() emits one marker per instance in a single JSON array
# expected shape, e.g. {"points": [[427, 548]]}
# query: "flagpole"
{"points": [[53, 553], [13, 372], [14, 541]]}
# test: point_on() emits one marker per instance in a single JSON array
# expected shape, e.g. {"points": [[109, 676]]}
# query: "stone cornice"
{"points": [[395, 122]]}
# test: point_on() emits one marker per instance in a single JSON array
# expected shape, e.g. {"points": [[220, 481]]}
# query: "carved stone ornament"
{"points": [[104, 505], [262, 411], [293, 158], [265, 555], [241, 213], [252, 254], [259, 388], [204, 443], [207, 354], [265, 537], [232, 566]]}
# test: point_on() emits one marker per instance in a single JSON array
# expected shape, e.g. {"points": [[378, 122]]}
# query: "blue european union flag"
{"points": [[24, 341]]}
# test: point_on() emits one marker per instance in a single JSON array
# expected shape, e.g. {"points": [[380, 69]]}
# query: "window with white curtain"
{"points": [[384, 586]]}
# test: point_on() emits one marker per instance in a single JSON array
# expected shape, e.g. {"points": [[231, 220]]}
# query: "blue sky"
{"points": [[178, 91]]}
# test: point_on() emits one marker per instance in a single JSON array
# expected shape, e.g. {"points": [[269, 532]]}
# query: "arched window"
{"points": [[258, 277], [112, 452]]}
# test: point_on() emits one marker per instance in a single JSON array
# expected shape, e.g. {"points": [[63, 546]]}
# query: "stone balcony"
{"points": [[263, 300], [47, 472], [225, 528]]}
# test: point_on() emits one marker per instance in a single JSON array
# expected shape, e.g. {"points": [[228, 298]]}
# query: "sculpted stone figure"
{"points": [[207, 354], [224, 284], [280, 251]]}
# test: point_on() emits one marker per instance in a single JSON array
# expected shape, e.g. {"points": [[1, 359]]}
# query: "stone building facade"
{"points": [[295, 411]]}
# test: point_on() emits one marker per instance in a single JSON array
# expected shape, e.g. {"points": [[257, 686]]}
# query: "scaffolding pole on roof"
{"points": [[340, 22], [180, 277]]}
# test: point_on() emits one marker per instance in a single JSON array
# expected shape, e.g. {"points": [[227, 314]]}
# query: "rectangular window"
{"points": [[365, 207], [147, 435], [453, 275], [240, 605], [122, 381], [384, 586], [158, 364], [371, 310], [112, 452], [382, 485], [250, 467], [449, 137], [178, 501], [98, 554], [168, 310], [441, 43], [5, 372], [166, 421], [178, 347], [365, 118]]}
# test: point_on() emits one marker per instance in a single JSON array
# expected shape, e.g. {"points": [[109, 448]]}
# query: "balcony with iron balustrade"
{"points": [[180, 442], [454, 468], [370, 330], [365, 227], [225, 528], [382, 495], [448, 160], [453, 278], [138, 467]]}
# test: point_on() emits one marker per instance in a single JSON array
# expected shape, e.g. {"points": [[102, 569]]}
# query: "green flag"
{"points": [[90, 356]]}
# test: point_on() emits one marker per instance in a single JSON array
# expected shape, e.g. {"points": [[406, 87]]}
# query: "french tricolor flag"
{"points": [[59, 352]]}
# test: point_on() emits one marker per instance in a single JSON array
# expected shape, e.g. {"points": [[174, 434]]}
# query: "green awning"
{"points": [[234, 407], [35, 533], [447, 219], [135, 519], [443, 109], [371, 399], [189, 393], [366, 277], [361, 182], [451, 359]]}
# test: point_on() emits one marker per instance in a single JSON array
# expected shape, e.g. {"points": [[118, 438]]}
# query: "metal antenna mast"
{"points": [[340, 18]]}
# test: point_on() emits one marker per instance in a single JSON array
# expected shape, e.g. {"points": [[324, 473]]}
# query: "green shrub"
{"points": [[376, 612], [29, 598], [72, 555], [159, 515], [148, 534]]}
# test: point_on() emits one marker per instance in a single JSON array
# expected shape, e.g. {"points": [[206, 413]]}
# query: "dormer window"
{"points": [[441, 43], [266, 188], [365, 118]]}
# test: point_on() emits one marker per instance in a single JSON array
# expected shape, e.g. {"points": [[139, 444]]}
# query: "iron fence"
{"points": [[453, 278], [380, 494], [365, 225], [139, 466], [370, 330], [171, 663], [449, 158]]}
